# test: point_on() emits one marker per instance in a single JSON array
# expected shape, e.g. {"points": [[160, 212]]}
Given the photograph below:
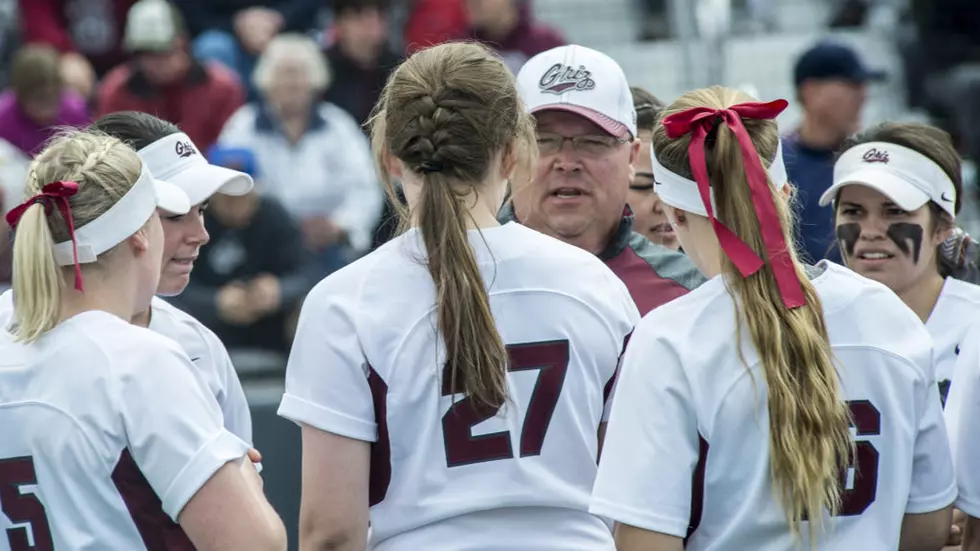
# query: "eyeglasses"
{"points": [[590, 144]]}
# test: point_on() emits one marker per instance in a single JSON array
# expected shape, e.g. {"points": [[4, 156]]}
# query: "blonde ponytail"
{"points": [[38, 283], [104, 169], [809, 438]]}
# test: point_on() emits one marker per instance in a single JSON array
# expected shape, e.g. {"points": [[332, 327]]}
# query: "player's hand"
{"points": [[77, 73], [233, 304], [265, 294], [956, 531], [254, 456], [256, 27], [319, 232]]}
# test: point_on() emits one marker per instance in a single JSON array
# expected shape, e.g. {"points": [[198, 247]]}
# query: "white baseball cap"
{"points": [[152, 26], [177, 160], [579, 80], [904, 175]]}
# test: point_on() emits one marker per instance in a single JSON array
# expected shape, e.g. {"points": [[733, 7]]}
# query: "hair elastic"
{"points": [[57, 193]]}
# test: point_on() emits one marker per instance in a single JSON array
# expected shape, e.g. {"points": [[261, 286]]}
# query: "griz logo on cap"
{"points": [[185, 149], [874, 156], [561, 78]]}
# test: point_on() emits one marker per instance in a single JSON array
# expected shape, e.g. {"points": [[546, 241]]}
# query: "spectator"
{"points": [[236, 32], [588, 151], [360, 58], [13, 174], [166, 81], [37, 102], [251, 278], [648, 211], [313, 155], [88, 35], [831, 86], [432, 22], [508, 26]]}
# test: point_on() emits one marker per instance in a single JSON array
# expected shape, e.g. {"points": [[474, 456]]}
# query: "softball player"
{"points": [[109, 439], [451, 385], [895, 195], [170, 155], [739, 405]]}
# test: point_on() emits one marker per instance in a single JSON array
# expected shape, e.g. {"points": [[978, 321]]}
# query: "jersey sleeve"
{"points": [[173, 424], [327, 374], [933, 484], [652, 443], [963, 414], [626, 317]]}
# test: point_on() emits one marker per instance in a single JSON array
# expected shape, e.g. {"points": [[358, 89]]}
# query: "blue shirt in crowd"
{"points": [[812, 172]]}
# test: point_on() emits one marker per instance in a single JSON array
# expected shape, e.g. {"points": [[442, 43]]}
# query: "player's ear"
{"points": [[508, 161], [394, 165], [140, 241]]}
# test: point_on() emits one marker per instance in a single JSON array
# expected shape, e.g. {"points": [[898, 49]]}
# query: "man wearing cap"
{"points": [[166, 80], [831, 86], [586, 131]]}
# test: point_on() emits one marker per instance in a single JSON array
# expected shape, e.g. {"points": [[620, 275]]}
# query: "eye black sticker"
{"points": [[903, 232], [848, 234]]}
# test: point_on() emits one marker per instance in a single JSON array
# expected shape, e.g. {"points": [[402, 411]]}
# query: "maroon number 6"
{"points": [[462, 448], [867, 421], [23, 508]]}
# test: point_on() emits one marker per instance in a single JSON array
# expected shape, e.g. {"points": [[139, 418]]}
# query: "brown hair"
{"points": [[104, 169], [447, 113], [809, 438], [34, 70], [648, 108], [937, 146]]}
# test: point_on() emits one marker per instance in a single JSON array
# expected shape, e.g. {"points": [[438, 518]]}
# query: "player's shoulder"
{"points": [[344, 287], [6, 307], [962, 291], [172, 322]]}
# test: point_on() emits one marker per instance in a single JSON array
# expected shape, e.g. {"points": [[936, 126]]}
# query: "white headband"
{"points": [[682, 193], [122, 220], [904, 175]]}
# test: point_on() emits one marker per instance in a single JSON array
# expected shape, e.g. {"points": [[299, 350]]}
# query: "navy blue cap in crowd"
{"points": [[832, 60], [235, 158]]}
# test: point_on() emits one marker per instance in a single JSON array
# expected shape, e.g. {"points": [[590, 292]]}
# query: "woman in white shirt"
{"points": [[896, 192]]}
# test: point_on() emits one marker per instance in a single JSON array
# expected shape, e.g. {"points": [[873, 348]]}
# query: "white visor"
{"points": [[907, 177], [123, 219], [682, 193], [176, 159]]}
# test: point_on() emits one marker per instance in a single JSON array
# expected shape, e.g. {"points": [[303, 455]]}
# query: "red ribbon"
{"points": [[699, 121], [57, 192]]}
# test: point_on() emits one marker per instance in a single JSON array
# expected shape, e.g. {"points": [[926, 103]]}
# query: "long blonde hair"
{"points": [[809, 438], [446, 113], [104, 169]]}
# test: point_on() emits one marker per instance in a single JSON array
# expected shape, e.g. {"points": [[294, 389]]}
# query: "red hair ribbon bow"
{"points": [[58, 193], [699, 121]]}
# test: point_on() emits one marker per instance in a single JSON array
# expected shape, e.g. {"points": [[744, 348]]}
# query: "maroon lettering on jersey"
{"points": [[157, 531], [380, 470]]}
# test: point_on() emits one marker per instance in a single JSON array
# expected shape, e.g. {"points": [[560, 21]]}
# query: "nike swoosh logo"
{"points": [[947, 199], [195, 359]]}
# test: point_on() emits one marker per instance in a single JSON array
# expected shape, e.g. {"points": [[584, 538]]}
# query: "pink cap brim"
{"points": [[612, 127]]}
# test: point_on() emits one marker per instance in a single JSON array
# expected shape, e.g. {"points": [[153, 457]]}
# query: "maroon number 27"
{"points": [[462, 448], [23, 508]]}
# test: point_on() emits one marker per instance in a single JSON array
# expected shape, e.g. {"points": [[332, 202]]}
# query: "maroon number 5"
{"points": [[462, 448], [23, 508], [867, 421]]}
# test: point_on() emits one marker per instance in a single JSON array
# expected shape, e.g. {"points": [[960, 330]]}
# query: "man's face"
{"points": [[291, 90], [836, 103], [163, 68], [362, 30], [483, 13], [579, 195]]}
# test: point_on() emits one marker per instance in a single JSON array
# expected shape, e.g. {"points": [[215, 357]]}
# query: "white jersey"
{"points": [[955, 312], [963, 420], [367, 363], [107, 434], [202, 346], [687, 448]]}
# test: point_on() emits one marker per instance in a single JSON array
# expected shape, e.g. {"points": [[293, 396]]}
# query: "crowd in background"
{"points": [[283, 89]]}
